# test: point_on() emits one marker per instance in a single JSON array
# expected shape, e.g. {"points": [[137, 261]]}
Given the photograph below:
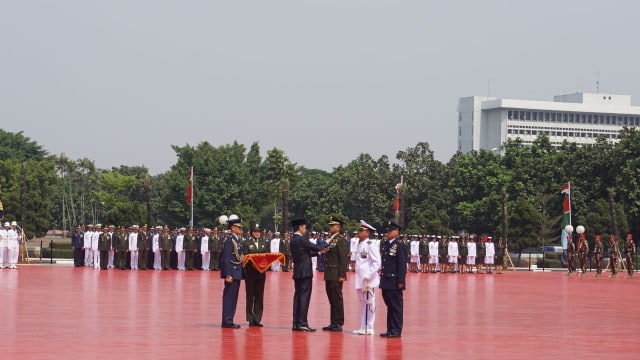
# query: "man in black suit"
{"points": [[392, 279], [302, 250]]}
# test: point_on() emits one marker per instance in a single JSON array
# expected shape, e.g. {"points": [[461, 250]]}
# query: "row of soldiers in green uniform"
{"points": [[581, 251]]}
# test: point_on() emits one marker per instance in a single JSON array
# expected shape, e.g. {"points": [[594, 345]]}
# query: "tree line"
{"points": [[512, 192]]}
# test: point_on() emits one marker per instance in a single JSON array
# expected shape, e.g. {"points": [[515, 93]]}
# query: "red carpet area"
{"points": [[62, 312]]}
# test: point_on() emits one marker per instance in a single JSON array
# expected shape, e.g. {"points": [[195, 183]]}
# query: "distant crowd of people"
{"points": [[10, 238]]}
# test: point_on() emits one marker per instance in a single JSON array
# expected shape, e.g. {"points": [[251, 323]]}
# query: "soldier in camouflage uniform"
{"points": [[571, 255], [598, 253], [583, 251], [614, 255], [629, 254]]}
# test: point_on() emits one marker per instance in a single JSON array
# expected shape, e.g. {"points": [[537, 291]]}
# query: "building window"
{"points": [[510, 115]]}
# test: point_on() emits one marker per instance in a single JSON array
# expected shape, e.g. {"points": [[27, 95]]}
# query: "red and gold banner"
{"points": [[262, 261]]}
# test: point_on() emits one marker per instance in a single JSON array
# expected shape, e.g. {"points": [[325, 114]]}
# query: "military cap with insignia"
{"points": [[392, 225], [255, 227], [334, 220], [365, 226]]}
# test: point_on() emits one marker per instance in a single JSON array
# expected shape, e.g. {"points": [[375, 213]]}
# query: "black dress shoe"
{"points": [[231, 326], [393, 336], [256, 323], [384, 334], [336, 328], [303, 328]]}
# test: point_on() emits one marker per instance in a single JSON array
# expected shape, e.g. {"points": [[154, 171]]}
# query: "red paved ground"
{"points": [[61, 312]]}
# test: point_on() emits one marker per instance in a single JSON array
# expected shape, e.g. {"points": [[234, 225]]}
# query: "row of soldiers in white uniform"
{"points": [[431, 253], [143, 248], [10, 238]]}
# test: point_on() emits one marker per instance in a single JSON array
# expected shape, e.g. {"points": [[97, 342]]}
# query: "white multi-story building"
{"points": [[487, 122]]}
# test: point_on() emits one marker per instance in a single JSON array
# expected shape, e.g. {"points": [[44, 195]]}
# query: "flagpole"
{"points": [[569, 183], [192, 197]]}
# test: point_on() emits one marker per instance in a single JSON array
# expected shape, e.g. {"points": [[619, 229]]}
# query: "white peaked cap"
{"points": [[364, 224]]}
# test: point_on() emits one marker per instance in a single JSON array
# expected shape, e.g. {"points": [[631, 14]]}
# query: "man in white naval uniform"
{"points": [[490, 255], [14, 237], [133, 246], [180, 248], [4, 243], [204, 249], [88, 252], [155, 248], [275, 248], [94, 246], [353, 247], [433, 254], [367, 278], [453, 253], [471, 253]]}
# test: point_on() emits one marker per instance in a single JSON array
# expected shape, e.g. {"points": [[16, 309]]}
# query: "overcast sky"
{"points": [[119, 82]]}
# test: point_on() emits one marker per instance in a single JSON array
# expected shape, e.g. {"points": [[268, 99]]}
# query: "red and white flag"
{"points": [[396, 204]]}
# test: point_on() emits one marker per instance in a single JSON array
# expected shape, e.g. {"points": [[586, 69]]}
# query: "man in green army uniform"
{"points": [[285, 249], [143, 248], [165, 248], [335, 273], [215, 246], [629, 254], [121, 243], [254, 280], [104, 245], [189, 248]]}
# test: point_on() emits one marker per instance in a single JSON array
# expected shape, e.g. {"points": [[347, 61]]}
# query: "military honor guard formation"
{"points": [[378, 261], [581, 251]]}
